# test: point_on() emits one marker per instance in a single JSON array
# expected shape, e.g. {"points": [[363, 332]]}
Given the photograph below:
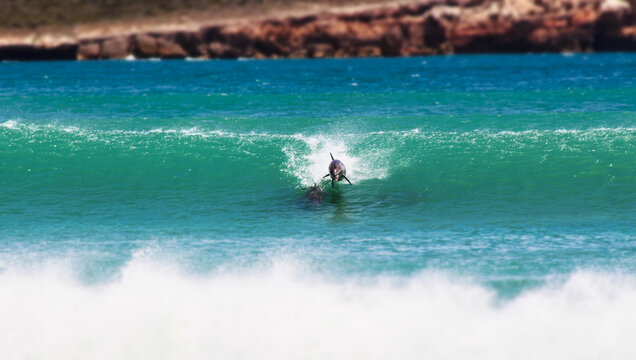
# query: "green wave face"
{"points": [[481, 168]]}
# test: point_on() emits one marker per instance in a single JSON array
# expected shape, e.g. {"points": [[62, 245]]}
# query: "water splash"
{"points": [[308, 161]]}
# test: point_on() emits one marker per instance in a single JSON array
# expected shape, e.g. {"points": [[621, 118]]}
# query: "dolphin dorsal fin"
{"points": [[331, 156]]}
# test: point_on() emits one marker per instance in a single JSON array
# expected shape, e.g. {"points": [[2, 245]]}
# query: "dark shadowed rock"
{"points": [[36, 52], [614, 16], [303, 20], [434, 32], [192, 43], [212, 33], [393, 36]]}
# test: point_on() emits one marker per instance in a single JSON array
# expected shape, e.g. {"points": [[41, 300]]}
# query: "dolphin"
{"points": [[337, 171], [315, 193]]}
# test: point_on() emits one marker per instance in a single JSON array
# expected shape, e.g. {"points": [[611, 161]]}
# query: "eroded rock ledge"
{"points": [[425, 28]]}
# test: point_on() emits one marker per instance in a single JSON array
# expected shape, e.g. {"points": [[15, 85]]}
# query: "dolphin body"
{"points": [[315, 193], [337, 171]]}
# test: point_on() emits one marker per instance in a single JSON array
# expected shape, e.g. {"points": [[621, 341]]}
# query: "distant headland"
{"points": [[295, 29]]}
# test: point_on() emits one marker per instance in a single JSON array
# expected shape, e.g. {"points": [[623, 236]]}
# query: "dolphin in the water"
{"points": [[315, 193], [337, 171]]}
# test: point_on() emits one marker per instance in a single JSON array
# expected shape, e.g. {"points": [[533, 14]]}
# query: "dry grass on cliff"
{"points": [[33, 14]]}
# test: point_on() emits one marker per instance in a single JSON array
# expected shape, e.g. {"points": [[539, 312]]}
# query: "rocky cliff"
{"points": [[423, 28]]}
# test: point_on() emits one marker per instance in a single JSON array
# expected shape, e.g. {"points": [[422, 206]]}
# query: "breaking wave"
{"points": [[155, 310]]}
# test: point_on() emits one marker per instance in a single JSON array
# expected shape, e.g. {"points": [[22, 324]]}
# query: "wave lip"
{"points": [[157, 311]]}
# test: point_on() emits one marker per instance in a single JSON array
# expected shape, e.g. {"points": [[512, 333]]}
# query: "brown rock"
{"points": [[362, 33], [557, 23], [115, 48], [421, 28], [368, 51], [542, 36], [145, 46], [168, 49], [301, 53], [558, 40], [89, 50], [217, 50], [421, 51], [321, 50], [628, 31], [584, 17]]}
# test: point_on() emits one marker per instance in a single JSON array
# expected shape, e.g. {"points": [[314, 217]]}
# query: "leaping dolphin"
{"points": [[337, 171]]}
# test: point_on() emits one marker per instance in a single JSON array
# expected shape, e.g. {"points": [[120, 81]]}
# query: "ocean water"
{"points": [[157, 210]]}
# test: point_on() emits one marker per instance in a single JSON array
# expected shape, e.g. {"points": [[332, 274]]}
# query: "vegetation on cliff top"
{"points": [[29, 14]]}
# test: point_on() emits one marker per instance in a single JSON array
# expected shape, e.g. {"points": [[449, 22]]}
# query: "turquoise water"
{"points": [[145, 206]]}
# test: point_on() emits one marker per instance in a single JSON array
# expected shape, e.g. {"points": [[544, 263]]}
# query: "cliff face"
{"points": [[428, 27]]}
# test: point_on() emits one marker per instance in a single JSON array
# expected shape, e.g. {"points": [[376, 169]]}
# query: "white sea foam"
{"points": [[10, 124], [309, 162], [154, 311], [314, 141]]}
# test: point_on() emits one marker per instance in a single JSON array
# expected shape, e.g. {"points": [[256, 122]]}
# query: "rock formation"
{"points": [[425, 28]]}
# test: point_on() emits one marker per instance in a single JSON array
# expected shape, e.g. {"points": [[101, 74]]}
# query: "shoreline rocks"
{"points": [[427, 28]]}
